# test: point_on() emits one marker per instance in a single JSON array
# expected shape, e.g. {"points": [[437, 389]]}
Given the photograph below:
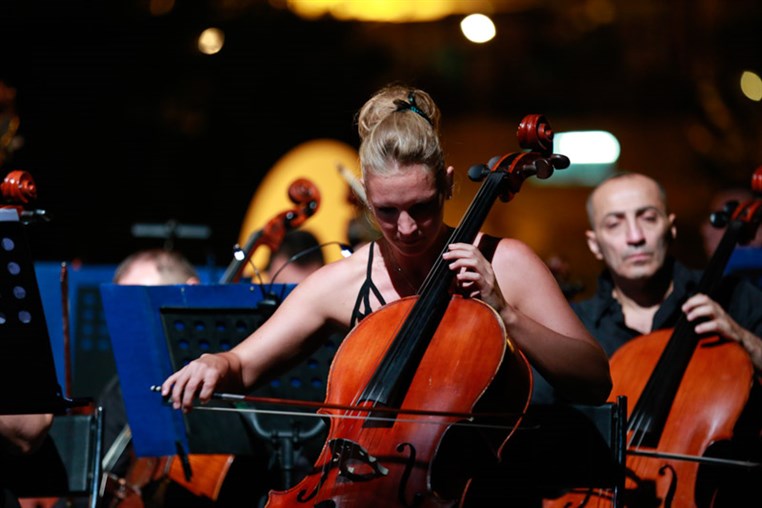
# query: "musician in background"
{"points": [[710, 234], [746, 260], [406, 183], [298, 255], [643, 288], [154, 267], [19, 435], [23, 434], [150, 267]]}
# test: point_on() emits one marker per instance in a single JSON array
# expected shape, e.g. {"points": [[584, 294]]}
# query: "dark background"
{"points": [[124, 122]]}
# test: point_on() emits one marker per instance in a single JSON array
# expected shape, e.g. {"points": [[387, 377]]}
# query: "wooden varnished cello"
{"points": [[305, 195], [406, 377], [689, 392]]}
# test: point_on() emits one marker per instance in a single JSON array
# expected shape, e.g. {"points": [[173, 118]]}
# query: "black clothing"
{"points": [[362, 305], [603, 318], [487, 245], [38, 474], [602, 314]]}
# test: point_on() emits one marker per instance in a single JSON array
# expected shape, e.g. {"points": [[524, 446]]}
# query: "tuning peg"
{"points": [[560, 161], [543, 168], [478, 172], [718, 219]]}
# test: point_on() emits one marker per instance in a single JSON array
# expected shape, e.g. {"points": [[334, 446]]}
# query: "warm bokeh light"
{"points": [[600, 12], [211, 41], [161, 7], [751, 85], [387, 10], [478, 28]]}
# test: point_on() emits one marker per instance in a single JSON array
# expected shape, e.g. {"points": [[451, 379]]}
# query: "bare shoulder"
{"points": [[515, 261], [518, 267], [515, 252], [334, 287]]}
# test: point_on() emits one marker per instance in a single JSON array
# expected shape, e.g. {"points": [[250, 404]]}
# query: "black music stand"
{"points": [[155, 330], [68, 462], [28, 370], [192, 331]]}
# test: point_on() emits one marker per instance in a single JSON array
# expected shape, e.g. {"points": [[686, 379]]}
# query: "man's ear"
{"points": [[592, 244], [672, 227]]}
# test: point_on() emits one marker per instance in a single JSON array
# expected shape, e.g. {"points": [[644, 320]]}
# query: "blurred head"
{"points": [[305, 246], [402, 164], [630, 227], [155, 267], [712, 235]]}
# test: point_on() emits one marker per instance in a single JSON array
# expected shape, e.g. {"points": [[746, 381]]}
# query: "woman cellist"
{"points": [[406, 182], [644, 292]]}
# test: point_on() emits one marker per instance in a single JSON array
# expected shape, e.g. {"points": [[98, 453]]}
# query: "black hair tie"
{"points": [[412, 106]]}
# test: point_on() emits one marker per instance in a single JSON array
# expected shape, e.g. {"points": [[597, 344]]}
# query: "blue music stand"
{"points": [[155, 330]]}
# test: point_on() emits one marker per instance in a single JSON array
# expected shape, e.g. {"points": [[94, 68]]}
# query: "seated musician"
{"points": [[643, 288], [20, 435], [407, 182], [746, 259], [150, 267]]}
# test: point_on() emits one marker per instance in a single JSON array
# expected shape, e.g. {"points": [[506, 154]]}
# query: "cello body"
{"points": [[715, 390], [388, 452], [704, 412]]}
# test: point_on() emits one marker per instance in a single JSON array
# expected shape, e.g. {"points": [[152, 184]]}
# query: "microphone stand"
{"points": [[235, 268]]}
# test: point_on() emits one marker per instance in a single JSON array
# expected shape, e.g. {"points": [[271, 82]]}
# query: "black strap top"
{"points": [[487, 245], [362, 305]]}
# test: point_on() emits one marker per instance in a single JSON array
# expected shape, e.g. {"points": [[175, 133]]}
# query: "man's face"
{"points": [[631, 228]]}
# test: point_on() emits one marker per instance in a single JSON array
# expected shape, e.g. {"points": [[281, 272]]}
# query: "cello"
{"points": [[305, 195], [404, 379], [690, 391]]}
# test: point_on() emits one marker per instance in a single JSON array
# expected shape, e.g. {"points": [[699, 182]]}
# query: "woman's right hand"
{"points": [[199, 379]]}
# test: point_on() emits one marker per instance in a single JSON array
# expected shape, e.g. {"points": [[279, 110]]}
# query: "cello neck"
{"points": [[394, 373]]}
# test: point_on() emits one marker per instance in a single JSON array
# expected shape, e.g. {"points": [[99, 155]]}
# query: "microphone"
{"points": [[240, 255], [269, 300]]}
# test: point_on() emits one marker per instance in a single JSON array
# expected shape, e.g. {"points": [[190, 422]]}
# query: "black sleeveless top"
{"points": [[363, 297], [487, 245]]}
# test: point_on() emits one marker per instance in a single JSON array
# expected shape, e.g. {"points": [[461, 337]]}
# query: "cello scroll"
{"points": [[536, 135], [301, 192]]}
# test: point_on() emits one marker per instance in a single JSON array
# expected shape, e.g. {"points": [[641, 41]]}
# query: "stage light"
{"points": [[211, 41], [751, 85], [478, 28], [593, 155]]}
